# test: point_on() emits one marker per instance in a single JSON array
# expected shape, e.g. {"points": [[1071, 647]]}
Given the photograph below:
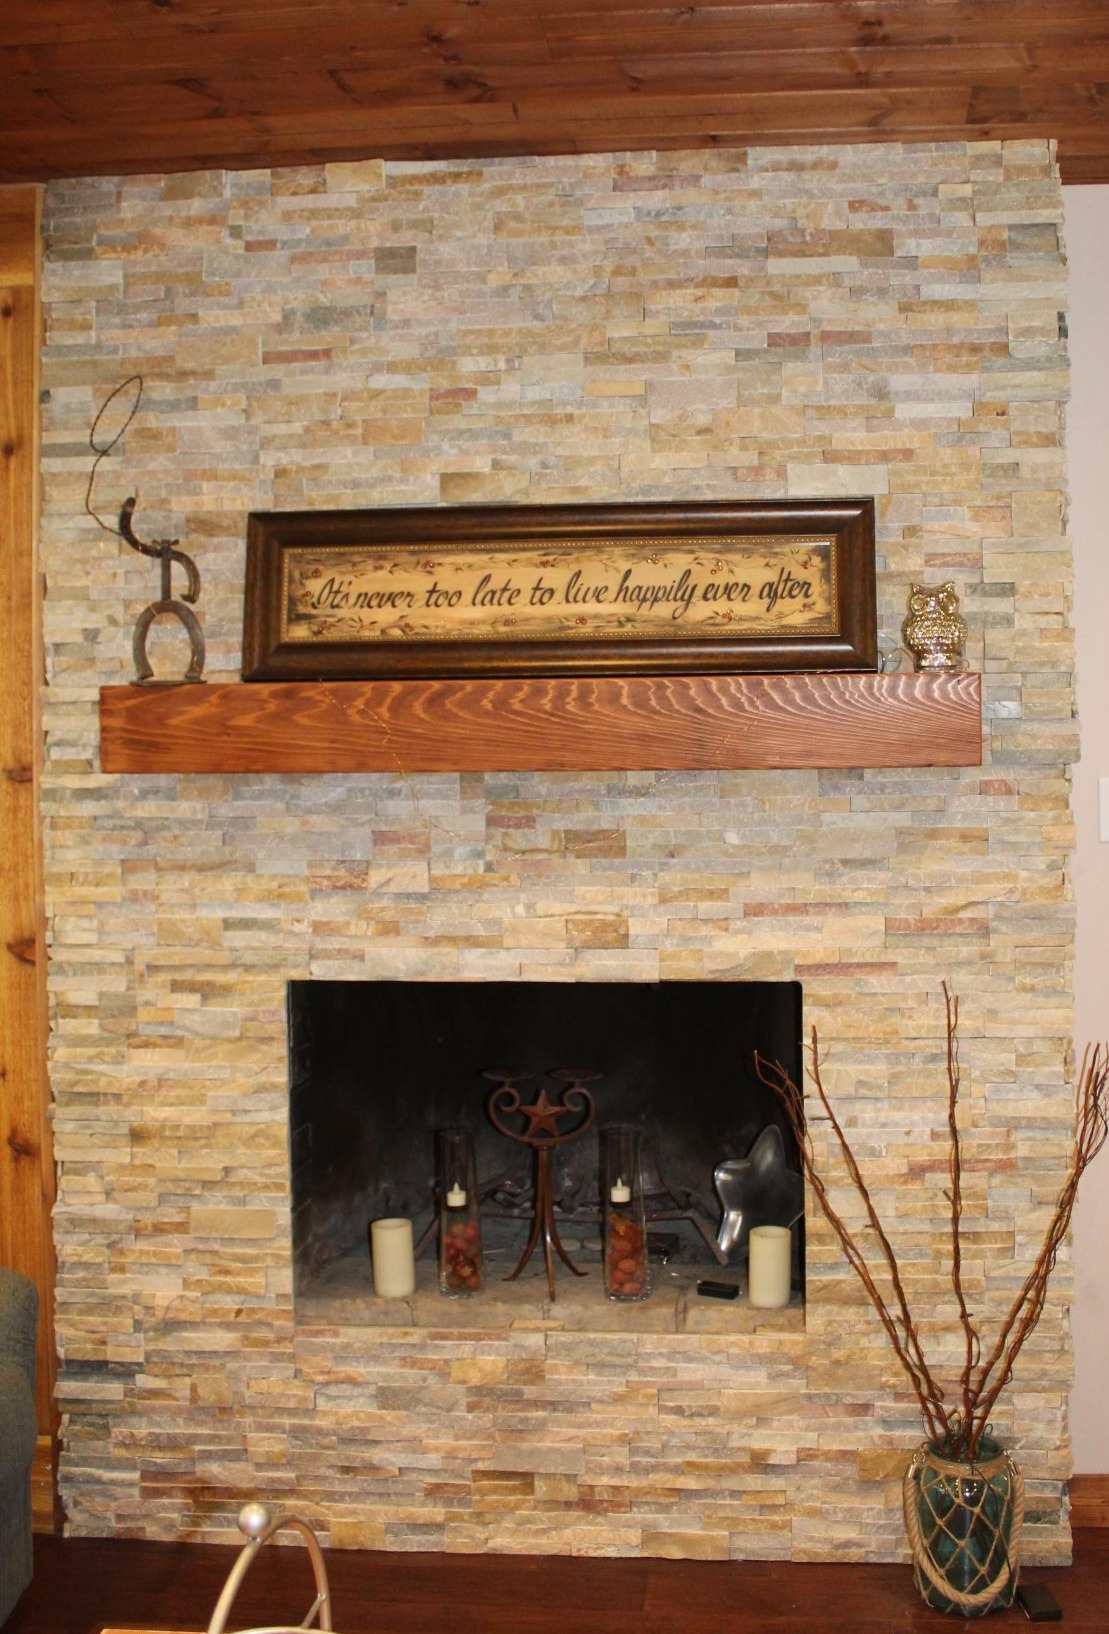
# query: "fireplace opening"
{"points": [[378, 1068]]}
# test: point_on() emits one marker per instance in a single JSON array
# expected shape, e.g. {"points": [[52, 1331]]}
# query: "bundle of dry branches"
{"points": [[955, 1426]]}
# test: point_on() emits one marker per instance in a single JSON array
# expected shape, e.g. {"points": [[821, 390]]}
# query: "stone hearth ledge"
{"points": [[341, 1295]]}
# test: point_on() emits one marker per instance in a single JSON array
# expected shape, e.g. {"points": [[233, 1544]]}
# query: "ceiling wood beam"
{"points": [[127, 86]]}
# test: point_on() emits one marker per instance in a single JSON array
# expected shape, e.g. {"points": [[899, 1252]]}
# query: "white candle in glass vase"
{"points": [[394, 1261], [456, 1196], [770, 1253]]}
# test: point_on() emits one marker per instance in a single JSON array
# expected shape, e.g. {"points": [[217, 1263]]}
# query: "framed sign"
{"points": [[560, 589]]}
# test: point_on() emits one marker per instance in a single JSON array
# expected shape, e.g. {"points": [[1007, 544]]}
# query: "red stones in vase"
{"points": [[460, 1262], [625, 1257]]}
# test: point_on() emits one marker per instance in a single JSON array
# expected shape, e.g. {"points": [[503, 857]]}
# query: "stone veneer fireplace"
{"points": [[739, 324]]}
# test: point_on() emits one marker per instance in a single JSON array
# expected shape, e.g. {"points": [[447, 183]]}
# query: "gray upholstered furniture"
{"points": [[18, 1321]]}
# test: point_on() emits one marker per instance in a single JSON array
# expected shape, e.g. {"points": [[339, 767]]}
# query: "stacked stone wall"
{"points": [[882, 321]]}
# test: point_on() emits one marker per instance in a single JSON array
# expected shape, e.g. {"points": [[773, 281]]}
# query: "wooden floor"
{"points": [[83, 1584]]}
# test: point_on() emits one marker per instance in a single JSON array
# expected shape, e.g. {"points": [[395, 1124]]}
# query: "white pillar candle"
{"points": [[393, 1259], [768, 1266]]}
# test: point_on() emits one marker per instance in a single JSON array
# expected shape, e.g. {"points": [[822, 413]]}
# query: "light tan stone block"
{"points": [[883, 1464], [471, 487], [353, 1532], [233, 1222], [679, 1545], [354, 176]]}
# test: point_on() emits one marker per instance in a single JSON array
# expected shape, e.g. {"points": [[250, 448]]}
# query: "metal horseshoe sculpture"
{"points": [[167, 553]]}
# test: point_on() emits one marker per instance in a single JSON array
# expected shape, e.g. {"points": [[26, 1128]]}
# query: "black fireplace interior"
{"points": [[376, 1068]]}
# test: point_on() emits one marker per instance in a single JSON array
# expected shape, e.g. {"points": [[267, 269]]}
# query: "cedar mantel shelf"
{"points": [[558, 723]]}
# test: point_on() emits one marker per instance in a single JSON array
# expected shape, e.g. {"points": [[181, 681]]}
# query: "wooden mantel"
{"points": [[559, 723]]}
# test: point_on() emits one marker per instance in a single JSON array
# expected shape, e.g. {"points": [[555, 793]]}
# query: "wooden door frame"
{"points": [[27, 1181]]}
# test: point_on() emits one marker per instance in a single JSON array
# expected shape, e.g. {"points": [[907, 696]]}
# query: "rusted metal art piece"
{"points": [[542, 1134], [166, 551]]}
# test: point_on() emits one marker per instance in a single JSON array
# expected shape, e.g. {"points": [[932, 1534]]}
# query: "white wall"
{"points": [[1087, 232]]}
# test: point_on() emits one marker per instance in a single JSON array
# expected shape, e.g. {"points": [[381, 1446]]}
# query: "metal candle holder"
{"points": [[542, 1135]]}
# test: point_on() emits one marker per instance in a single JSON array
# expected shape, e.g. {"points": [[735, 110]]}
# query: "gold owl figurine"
{"points": [[934, 631]]}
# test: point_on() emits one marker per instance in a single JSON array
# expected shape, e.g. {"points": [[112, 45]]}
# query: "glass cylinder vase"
{"points": [[460, 1255], [625, 1231]]}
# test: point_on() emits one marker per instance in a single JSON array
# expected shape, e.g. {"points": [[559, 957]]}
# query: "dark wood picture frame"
{"points": [[778, 585]]}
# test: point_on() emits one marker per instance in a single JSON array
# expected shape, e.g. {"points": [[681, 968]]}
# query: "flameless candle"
{"points": [[393, 1258], [621, 1192], [768, 1266], [456, 1197]]}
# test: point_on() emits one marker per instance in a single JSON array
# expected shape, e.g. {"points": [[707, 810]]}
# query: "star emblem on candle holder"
{"points": [[544, 1116]]}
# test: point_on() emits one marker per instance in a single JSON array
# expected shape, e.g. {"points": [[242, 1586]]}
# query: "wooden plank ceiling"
{"points": [[124, 86]]}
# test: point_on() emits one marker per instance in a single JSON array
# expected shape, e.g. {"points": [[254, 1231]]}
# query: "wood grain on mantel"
{"points": [[558, 723]]}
